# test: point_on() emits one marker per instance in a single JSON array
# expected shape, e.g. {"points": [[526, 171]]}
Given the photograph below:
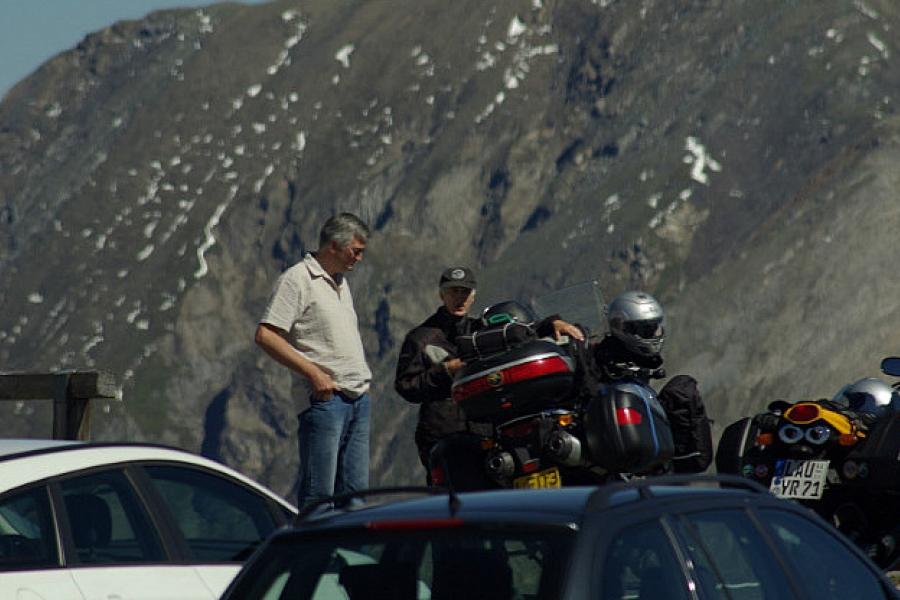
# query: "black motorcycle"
{"points": [[544, 421], [831, 457]]}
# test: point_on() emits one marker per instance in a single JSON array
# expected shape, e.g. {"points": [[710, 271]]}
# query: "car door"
{"points": [[830, 567], [772, 553], [704, 554], [220, 521], [640, 562], [113, 548], [30, 562], [729, 558]]}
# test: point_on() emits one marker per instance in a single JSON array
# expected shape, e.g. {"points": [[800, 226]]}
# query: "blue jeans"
{"points": [[333, 437]]}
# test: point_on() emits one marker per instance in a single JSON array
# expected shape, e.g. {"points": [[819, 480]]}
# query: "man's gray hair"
{"points": [[342, 229]]}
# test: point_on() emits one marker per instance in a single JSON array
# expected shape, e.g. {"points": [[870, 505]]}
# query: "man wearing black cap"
{"points": [[428, 360]]}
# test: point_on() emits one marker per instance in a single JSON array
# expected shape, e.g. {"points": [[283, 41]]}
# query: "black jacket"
{"points": [[422, 379], [610, 351]]}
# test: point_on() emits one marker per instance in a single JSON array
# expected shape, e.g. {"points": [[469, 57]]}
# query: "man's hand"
{"points": [[273, 341], [453, 365], [561, 328], [323, 386]]}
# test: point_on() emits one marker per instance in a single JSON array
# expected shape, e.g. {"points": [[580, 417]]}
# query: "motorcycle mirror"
{"points": [[891, 366], [778, 405]]}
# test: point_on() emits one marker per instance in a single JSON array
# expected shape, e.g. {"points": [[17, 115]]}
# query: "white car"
{"points": [[125, 521]]}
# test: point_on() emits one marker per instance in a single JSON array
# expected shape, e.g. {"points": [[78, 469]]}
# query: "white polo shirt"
{"points": [[317, 314]]}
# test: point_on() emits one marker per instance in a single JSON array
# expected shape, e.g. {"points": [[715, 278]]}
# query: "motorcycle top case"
{"points": [[525, 379], [627, 430]]}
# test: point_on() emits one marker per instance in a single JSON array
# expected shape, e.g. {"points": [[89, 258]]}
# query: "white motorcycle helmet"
{"points": [[637, 320], [868, 395]]}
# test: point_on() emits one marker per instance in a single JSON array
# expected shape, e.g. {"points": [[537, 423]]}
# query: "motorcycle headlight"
{"points": [[818, 435], [790, 434]]}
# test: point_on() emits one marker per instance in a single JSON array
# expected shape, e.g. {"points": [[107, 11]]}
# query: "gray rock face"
{"points": [[736, 159]]}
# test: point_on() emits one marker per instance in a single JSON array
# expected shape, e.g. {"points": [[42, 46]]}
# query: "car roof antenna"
{"points": [[453, 501]]}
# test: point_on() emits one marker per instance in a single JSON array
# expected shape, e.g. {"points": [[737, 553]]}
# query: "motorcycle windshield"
{"points": [[582, 303]]}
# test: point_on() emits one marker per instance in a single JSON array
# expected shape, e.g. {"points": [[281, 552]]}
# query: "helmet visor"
{"points": [[859, 400], [648, 329]]}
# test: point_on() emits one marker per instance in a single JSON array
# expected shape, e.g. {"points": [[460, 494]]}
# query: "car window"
{"points": [[27, 536], [730, 557], [641, 564], [836, 572], [220, 520], [108, 523], [442, 564]]}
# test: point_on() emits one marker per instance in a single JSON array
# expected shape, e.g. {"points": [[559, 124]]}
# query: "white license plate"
{"points": [[801, 479]]}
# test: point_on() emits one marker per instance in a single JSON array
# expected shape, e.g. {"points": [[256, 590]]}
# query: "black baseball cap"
{"points": [[462, 277]]}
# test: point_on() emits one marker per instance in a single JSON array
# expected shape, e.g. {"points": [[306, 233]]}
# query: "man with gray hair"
{"points": [[310, 326]]}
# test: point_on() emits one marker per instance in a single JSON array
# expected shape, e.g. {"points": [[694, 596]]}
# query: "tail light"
{"points": [[531, 466], [520, 429], [848, 439], [549, 365], [802, 413], [415, 524], [765, 439], [438, 477], [628, 416]]}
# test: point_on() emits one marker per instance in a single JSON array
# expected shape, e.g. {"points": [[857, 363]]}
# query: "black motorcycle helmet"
{"points": [[509, 311]]}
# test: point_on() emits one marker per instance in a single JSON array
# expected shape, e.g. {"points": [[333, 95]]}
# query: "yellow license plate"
{"points": [[548, 478]]}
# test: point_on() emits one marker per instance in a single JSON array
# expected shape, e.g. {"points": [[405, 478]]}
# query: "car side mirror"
{"points": [[891, 366]]}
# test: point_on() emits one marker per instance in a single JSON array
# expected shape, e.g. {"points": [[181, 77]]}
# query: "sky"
{"points": [[32, 31]]}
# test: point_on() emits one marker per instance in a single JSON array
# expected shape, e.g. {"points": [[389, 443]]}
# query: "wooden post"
{"points": [[71, 393]]}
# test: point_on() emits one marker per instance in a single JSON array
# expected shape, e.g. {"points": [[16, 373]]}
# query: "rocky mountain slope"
{"points": [[736, 159]]}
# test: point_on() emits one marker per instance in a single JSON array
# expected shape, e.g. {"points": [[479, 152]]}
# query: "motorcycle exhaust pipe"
{"points": [[500, 465], [565, 448]]}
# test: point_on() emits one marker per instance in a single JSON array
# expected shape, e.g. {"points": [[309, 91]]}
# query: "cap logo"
{"points": [[457, 274], [495, 379]]}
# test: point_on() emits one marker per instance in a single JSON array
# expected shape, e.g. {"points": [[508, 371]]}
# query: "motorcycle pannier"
{"points": [[528, 378], [627, 430], [733, 444]]}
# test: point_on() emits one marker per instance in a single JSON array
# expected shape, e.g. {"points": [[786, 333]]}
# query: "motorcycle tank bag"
{"points": [[524, 379], [627, 430]]}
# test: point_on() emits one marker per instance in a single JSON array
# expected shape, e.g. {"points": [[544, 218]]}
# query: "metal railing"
{"points": [[71, 393]]}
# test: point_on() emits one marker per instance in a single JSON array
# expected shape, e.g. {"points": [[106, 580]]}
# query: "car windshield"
{"points": [[438, 563]]}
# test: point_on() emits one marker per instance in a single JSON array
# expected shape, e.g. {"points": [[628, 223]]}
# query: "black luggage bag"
{"points": [[627, 430]]}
